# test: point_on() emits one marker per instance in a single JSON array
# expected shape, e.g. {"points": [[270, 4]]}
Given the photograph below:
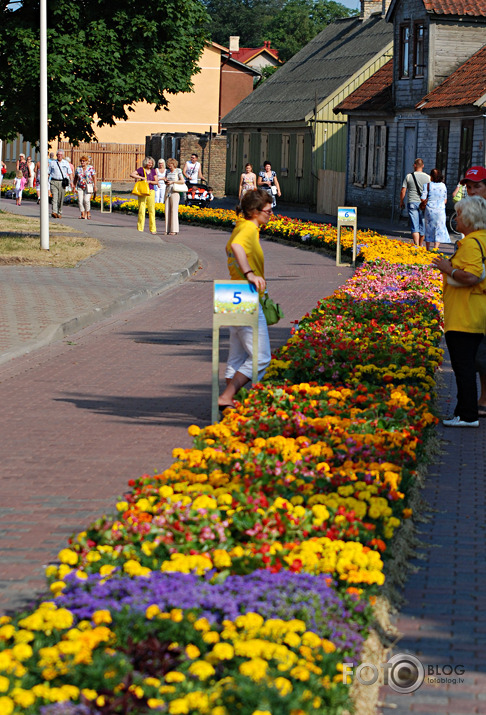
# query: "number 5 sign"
{"points": [[235, 303]]}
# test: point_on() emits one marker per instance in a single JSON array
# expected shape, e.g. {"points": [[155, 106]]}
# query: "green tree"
{"points": [[289, 24], [103, 57]]}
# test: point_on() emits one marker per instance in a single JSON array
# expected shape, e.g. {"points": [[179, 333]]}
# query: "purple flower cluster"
{"points": [[273, 595]]}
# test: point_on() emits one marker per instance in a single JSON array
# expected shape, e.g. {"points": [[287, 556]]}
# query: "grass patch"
{"points": [[20, 243]]}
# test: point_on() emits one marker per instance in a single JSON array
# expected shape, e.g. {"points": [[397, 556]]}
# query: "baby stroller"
{"points": [[199, 195]]}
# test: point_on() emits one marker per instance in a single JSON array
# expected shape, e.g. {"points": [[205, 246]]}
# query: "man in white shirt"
{"points": [[192, 170], [413, 184], [60, 177]]}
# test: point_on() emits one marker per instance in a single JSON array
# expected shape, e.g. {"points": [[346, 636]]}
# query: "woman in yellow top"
{"points": [[245, 258], [465, 306]]}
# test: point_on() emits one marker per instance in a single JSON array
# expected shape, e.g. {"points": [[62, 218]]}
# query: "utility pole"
{"points": [[43, 133]]}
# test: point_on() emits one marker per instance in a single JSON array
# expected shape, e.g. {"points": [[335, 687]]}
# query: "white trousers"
{"points": [[240, 358], [84, 200], [159, 194]]}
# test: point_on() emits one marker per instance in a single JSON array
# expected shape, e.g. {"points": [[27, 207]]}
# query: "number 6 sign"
{"points": [[347, 216], [235, 303]]}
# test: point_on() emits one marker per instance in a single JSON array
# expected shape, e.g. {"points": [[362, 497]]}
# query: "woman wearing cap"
{"points": [[475, 183], [464, 296]]}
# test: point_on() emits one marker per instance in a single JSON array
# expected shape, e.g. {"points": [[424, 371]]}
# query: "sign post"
{"points": [[105, 189], [347, 216], [235, 303]]}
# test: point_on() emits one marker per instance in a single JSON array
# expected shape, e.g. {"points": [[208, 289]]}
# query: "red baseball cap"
{"points": [[475, 173]]}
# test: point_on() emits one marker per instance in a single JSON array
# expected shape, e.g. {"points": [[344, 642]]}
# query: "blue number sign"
{"points": [[231, 298]]}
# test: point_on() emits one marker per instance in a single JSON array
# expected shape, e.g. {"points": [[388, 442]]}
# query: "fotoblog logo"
{"points": [[404, 673]]}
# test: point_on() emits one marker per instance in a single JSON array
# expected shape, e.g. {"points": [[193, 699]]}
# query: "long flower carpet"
{"points": [[241, 579]]}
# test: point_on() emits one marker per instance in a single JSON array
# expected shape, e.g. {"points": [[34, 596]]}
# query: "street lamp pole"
{"points": [[43, 135]]}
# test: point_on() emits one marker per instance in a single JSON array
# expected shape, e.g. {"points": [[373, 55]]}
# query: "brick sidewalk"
{"points": [[443, 620]]}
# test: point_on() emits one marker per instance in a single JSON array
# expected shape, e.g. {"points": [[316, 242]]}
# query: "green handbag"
{"points": [[271, 310]]}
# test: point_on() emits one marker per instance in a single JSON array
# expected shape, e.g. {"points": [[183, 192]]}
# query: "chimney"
{"points": [[369, 7], [234, 43]]}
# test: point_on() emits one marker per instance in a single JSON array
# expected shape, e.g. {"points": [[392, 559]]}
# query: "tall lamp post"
{"points": [[43, 134]]}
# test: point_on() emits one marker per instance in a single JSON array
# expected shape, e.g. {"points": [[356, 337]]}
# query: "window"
{"points": [[377, 155], [419, 50], [284, 155], [358, 152], [465, 152], [263, 148], [234, 152], [299, 156], [367, 151], [442, 147], [404, 56]]}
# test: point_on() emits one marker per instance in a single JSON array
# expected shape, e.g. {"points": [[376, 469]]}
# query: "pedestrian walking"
{"points": [[31, 168], [464, 297], [248, 181], [413, 185], [435, 195], [60, 178], [19, 185], [245, 259], [267, 180], [85, 183]]}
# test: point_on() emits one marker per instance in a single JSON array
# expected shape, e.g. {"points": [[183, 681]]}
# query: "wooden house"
{"points": [[429, 102], [289, 119]]}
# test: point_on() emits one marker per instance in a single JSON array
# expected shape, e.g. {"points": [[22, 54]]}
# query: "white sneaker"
{"points": [[457, 422]]}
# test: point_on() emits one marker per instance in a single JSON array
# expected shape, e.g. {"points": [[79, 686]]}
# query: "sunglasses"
{"points": [[267, 211]]}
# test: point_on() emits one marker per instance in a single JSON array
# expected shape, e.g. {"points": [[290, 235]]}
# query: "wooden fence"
{"points": [[112, 162]]}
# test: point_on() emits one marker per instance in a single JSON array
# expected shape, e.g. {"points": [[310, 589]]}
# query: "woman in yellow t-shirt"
{"points": [[245, 260], [465, 306]]}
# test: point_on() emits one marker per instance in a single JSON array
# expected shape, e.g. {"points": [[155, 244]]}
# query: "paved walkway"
{"points": [[82, 415]]}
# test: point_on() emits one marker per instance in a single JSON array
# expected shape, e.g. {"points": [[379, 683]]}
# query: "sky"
{"points": [[352, 4]]}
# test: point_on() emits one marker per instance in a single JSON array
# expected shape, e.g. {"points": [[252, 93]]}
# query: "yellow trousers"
{"points": [[146, 202]]}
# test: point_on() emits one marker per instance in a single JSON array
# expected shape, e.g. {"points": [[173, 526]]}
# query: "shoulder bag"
{"points": [[180, 188], [64, 180], [271, 310], [142, 187], [452, 281], [423, 203]]}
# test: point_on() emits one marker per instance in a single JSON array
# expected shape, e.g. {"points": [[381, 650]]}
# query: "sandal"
{"points": [[88, 216], [481, 410]]}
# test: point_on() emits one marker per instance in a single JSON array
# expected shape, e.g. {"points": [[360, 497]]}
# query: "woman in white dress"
{"points": [[160, 188], [435, 215]]}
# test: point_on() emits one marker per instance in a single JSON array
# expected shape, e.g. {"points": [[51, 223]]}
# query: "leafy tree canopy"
{"points": [[102, 58], [289, 24]]}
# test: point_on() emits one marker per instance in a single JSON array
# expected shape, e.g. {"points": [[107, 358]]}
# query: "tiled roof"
{"points": [[464, 86], [314, 73], [474, 8], [244, 54], [373, 95]]}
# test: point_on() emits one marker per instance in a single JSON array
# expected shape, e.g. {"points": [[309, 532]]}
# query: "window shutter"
{"points": [[380, 178], [352, 153], [371, 154]]}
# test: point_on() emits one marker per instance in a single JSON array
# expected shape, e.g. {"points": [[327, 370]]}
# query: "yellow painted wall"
{"points": [[195, 111]]}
